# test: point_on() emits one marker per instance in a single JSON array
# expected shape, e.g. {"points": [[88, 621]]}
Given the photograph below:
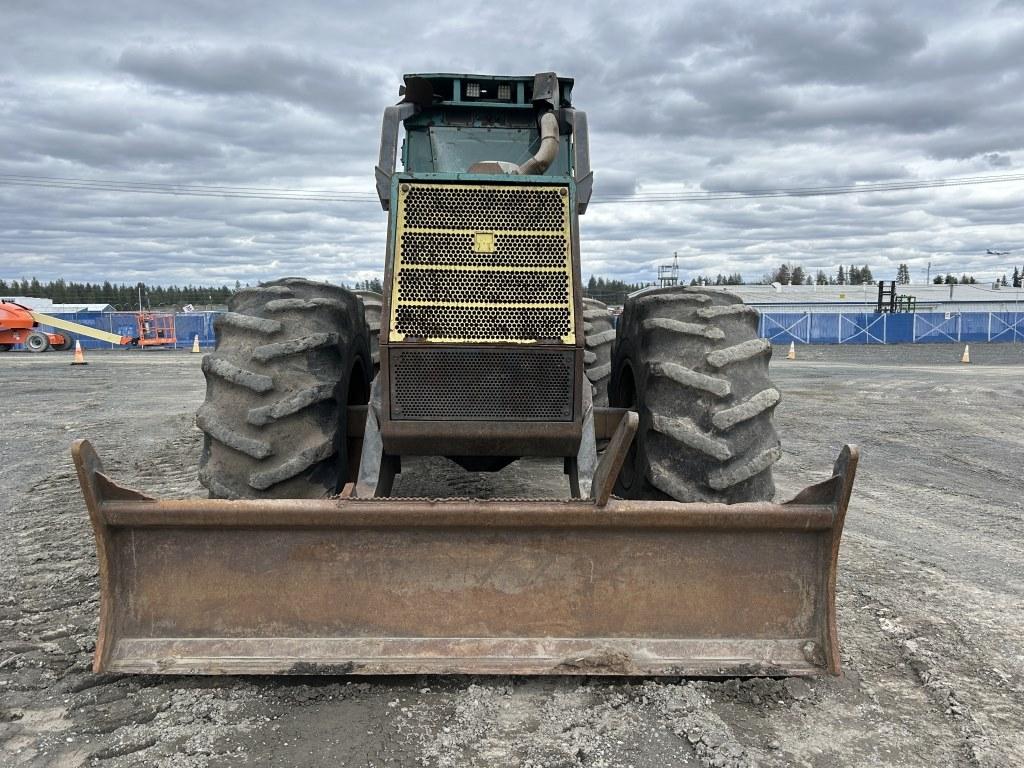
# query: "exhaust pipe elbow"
{"points": [[548, 151]]}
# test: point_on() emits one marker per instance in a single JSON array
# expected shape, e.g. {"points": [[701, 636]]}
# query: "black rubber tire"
{"points": [[68, 343], [6, 347], [599, 337], [690, 361], [373, 304], [37, 342], [290, 356]]}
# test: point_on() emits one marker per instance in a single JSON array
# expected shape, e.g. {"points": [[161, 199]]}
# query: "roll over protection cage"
{"points": [[545, 94]]}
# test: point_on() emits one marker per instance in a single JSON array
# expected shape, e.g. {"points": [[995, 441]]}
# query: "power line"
{"points": [[887, 186], [357, 196], [186, 190]]}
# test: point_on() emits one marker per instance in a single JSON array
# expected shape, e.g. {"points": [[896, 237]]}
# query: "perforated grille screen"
{"points": [[482, 263], [451, 206], [481, 384]]}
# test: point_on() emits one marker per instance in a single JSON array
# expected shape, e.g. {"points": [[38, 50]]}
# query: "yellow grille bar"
{"points": [[484, 268]]}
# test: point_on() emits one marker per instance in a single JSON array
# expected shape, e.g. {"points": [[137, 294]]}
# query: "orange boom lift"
{"points": [[20, 325]]}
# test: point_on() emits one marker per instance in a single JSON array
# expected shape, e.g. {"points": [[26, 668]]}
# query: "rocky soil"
{"points": [[930, 595]]}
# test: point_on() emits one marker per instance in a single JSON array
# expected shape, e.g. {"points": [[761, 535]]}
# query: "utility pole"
{"points": [[928, 277]]}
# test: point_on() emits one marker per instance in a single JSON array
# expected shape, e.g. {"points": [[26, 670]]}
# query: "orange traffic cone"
{"points": [[79, 355], [967, 354], [195, 344], [792, 351]]}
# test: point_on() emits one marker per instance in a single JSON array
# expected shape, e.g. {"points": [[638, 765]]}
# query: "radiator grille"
{"points": [[479, 286], [448, 206], [456, 249], [481, 384], [482, 263], [483, 322]]}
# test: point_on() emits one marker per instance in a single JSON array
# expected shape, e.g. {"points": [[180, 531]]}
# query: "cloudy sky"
{"points": [[699, 97]]}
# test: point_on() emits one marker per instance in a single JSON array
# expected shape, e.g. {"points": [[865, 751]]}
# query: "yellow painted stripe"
{"points": [[552, 234], [463, 268], [442, 340], [485, 304]]}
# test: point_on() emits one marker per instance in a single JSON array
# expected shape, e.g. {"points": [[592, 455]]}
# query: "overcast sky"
{"points": [[696, 97]]}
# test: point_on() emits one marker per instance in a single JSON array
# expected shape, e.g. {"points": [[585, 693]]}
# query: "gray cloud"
{"points": [[260, 71], [699, 96]]}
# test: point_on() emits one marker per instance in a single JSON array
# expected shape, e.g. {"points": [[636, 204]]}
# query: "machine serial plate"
{"points": [[482, 263]]}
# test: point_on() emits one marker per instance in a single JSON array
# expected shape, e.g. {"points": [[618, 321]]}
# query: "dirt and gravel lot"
{"points": [[930, 596]]}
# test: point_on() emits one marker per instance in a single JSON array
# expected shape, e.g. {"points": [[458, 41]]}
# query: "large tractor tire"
{"points": [[290, 356], [690, 362], [373, 304], [37, 342], [599, 338]]}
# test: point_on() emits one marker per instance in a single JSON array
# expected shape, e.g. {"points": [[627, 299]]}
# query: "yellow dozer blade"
{"points": [[596, 586]]}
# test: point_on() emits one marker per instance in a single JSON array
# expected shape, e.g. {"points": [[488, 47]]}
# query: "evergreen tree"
{"points": [[1016, 278], [610, 291], [840, 276], [821, 278], [797, 276], [937, 280], [903, 274]]}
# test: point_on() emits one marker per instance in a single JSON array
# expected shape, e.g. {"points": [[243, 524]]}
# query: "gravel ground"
{"points": [[930, 596]]}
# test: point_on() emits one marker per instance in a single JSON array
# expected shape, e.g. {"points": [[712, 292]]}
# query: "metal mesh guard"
{"points": [[482, 263], [481, 384]]}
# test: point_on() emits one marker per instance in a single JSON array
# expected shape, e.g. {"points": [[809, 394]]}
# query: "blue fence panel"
{"points": [[786, 327], [974, 326], [100, 320], [1006, 326], [862, 328], [936, 327], [897, 328], [824, 328], [779, 327], [188, 326]]}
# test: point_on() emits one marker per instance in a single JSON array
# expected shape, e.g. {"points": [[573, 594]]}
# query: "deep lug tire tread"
{"points": [[704, 397], [373, 304], [599, 340], [277, 389]]}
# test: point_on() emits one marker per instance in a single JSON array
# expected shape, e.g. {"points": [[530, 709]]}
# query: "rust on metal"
{"points": [[615, 454], [386, 586]]}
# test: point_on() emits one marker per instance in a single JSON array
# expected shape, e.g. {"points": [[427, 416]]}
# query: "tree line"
{"points": [[950, 279], [610, 290], [794, 274], [119, 295], [123, 296]]}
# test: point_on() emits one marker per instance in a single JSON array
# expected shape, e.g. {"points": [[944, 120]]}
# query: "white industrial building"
{"points": [[47, 307], [860, 298]]}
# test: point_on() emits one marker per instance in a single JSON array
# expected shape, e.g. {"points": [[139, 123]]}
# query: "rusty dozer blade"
{"points": [[394, 586]]}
